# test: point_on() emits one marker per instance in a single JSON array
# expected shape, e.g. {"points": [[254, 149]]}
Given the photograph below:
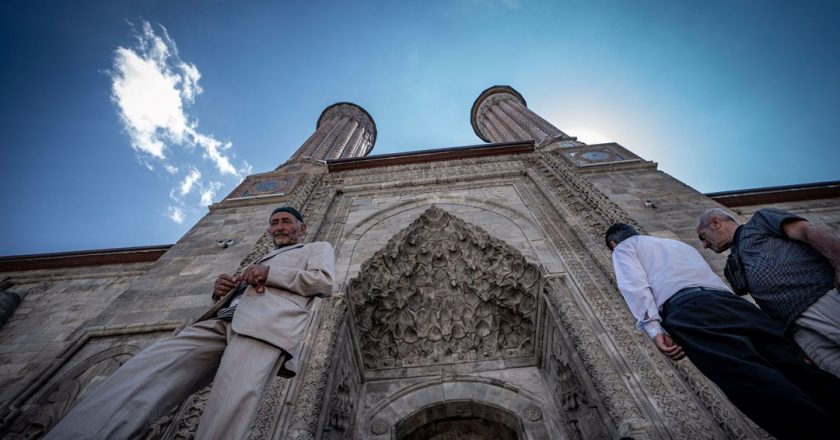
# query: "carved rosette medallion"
{"points": [[269, 184], [442, 291], [532, 413], [379, 427]]}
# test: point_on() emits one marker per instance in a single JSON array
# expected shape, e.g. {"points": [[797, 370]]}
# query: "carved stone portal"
{"points": [[442, 291]]}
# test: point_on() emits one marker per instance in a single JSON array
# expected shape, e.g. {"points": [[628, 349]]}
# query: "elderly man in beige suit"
{"points": [[253, 332]]}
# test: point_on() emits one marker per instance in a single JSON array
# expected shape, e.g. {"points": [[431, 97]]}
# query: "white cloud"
{"points": [[150, 103], [208, 194], [211, 148], [153, 88], [187, 183], [190, 75], [246, 169], [175, 214]]}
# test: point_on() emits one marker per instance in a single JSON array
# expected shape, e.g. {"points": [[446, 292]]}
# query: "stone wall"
{"points": [[179, 285], [674, 205], [56, 304], [535, 204], [514, 318], [823, 212]]}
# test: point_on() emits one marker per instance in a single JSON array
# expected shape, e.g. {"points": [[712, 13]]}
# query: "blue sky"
{"points": [[120, 120]]}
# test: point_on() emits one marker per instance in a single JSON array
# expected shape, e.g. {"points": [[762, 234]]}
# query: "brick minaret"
{"points": [[344, 130], [500, 114]]}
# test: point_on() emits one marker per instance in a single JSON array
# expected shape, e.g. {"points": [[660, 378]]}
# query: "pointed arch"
{"points": [[459, 397]]}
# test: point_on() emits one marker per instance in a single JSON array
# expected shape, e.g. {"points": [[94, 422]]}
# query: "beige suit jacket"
{"points": [[278, 316]]}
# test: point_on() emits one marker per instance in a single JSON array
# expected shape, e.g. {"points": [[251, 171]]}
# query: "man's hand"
{"points": [[256, 275], [667, 346], [224, 283]]}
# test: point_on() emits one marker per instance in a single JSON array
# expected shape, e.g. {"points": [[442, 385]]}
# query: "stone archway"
{"points": [[443, 303], [440, 409], [460, 420]]}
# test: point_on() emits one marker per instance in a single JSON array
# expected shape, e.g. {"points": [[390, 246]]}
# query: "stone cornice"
{"points": [[82, 258], [425, 156], [777, 194]]}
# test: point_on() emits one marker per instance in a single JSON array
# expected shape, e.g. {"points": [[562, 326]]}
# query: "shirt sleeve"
{"points": [[772, 220], [314, 278], [653, 328], [634, 287]]}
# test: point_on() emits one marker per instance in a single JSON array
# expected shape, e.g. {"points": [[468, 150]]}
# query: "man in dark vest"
{"points": [[790, 267]]}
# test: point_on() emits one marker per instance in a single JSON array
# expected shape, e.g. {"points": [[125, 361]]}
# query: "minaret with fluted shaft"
{"points": [[500, 114], [344, 130]]}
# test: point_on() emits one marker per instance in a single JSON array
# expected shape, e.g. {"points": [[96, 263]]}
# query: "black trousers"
{"points": [[763, 373]]}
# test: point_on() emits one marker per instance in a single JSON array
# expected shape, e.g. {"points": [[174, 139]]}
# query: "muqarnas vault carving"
{"points": [[441, 291]]}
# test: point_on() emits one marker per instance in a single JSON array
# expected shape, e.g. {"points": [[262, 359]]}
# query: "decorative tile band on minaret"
{"points": [[344, 130], [500, 114]]}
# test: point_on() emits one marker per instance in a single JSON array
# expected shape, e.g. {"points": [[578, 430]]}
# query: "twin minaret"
{"points": [[500, 114], [344, 131]]}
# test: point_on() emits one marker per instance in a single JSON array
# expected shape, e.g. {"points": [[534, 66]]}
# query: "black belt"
{"points": [[682, 293]]}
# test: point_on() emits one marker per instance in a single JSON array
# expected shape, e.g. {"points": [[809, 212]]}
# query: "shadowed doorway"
{"points": [[462, 420]]}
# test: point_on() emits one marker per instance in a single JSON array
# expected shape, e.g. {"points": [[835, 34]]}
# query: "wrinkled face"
{"points": [[285, 229], [714, 236]]}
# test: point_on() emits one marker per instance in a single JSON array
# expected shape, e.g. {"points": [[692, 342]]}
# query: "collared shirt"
{"points": [[649, 270], [226, 313]]}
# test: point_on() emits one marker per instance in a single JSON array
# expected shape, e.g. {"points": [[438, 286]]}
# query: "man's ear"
{"points": [[303, 229], [613, 244]]}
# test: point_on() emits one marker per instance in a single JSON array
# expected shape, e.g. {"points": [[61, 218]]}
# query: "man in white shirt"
{"points": [[687, 310]]}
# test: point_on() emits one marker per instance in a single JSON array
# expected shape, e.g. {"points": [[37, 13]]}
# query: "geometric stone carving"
{"points": [[341, 402], [182, 422], [443, 290], [600, 154], [579, 415], [379, 427], [341, 409], [76, 383], [533, 413], [92, 355]]}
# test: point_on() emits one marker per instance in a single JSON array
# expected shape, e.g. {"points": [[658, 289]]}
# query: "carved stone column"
{"points": [[344, 130], [500, 114]]}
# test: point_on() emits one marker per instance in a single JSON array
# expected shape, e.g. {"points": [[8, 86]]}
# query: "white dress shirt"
{"points": [[649, 270]]}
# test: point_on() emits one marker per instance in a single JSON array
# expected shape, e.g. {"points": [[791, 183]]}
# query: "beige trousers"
{"points": [[817, 331], [170, 370]]}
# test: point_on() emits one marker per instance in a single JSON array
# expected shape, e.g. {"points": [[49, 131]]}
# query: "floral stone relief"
{"points": [[443, 291]]}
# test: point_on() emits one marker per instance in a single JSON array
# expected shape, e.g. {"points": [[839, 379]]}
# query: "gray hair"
{"points": [[706, 217]]}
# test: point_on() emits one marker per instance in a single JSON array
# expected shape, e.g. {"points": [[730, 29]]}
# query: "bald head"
{"points": [[716, 229], [713, 213]]}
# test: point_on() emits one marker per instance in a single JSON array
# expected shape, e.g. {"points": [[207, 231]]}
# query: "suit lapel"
{"points": [[279, 251], [221, 302]]}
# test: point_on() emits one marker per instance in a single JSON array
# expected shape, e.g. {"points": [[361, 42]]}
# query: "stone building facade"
{"points": [[474, 298]]}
